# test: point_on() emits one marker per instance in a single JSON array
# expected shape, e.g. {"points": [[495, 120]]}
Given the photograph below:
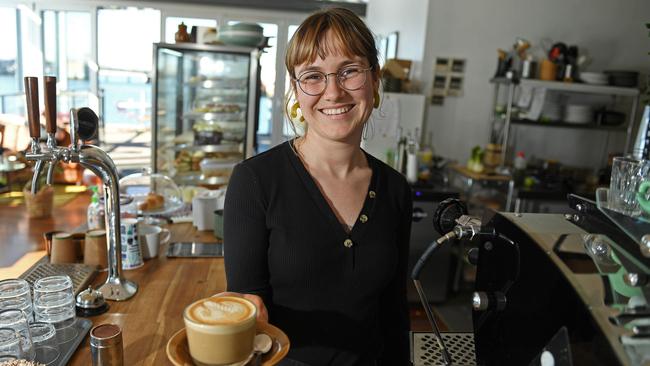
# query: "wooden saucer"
{"points": [[178, 350]]}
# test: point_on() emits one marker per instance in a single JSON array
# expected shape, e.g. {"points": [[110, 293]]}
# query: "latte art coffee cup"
{"points": [[220, 330]]}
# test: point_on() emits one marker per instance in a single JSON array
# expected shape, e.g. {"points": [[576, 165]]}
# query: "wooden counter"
{"points": [[155, 313], [20, 235]]}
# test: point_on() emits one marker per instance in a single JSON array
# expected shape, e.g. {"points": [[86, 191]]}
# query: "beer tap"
{"points": [[83, 126]]}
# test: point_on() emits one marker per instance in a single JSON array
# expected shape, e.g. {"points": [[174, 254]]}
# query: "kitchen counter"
{"points": [[155, 313]]}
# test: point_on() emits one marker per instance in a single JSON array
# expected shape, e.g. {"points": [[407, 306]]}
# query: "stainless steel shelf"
{"points": [[562, 124], [571, 87]]}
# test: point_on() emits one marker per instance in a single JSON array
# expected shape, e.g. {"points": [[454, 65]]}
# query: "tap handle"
{"points": [[50, 103], [87, 122], [33, 113]]}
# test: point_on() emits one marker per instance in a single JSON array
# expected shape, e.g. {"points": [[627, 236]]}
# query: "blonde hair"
{"points": [[350, 37]]}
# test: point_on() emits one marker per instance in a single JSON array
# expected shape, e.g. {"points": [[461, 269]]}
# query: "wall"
{"points": [[409, 18], [613, 33]]}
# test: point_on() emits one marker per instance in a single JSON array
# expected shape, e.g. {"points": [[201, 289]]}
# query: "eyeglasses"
{"points": [[349, 78]]}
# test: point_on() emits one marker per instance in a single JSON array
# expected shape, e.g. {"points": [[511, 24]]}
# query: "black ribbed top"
{"points": [[339, 296]]}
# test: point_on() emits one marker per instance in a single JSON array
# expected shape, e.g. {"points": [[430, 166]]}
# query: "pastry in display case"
{"points": [[205, 111]]}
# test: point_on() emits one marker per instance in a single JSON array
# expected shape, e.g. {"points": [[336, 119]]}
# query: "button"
{"points": [[348, 243], [363, 219], [372, 194]]}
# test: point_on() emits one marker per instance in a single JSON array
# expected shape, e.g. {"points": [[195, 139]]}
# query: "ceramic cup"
{"points": [[220, 330], [203, 206], [151, 238]]}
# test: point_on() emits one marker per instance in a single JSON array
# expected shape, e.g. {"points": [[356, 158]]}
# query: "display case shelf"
{"points": [[205, 107]]}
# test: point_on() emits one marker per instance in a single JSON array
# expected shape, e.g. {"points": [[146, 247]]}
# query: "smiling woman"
{"points": [[316, 229]]}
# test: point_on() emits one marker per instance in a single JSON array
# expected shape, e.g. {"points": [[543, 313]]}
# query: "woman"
{"points": [[317, 230]]}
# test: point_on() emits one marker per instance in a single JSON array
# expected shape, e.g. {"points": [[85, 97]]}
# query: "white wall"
{"points": [[613, 32], [409, 18]]}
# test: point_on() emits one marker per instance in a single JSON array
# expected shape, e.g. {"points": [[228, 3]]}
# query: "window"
{"points": [[171, 25], [125, 56], [10, 99], [67, 54]]}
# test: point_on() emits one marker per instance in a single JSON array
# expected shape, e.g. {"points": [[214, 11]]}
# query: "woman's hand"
{"points": [[262, 313]]}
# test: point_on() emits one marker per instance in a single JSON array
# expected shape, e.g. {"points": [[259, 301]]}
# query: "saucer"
{"points": [[178, 350]]}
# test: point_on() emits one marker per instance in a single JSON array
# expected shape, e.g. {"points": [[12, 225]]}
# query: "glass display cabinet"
{"points": [[204, 112]]}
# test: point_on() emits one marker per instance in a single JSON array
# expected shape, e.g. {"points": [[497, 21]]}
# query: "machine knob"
{"points": [[635, 279], [472, 256], [480, 301]]}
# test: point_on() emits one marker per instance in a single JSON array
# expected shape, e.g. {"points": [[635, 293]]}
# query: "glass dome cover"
{"points": [[153, 194]]}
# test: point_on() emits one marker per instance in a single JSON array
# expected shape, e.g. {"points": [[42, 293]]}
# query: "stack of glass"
{"points": [[16, 320], [33, 330], [15, 294], [54, 303]]}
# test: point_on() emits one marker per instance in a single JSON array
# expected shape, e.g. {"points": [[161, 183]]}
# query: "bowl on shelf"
{"points": [[241, 34], [578, 114], [594, 78]]}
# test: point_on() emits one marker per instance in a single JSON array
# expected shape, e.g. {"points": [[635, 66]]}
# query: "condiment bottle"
{"points": [[182, 35], [95, 214]]}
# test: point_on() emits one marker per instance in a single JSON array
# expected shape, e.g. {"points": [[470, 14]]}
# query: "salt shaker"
{"points": [[106, 345]]}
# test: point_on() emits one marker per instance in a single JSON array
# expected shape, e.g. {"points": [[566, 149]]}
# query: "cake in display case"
{"points": [[204, 111]]}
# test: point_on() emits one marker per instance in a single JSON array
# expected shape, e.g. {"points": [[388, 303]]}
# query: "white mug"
{"points": [[203, 206], [151, 237], [131, 251]]}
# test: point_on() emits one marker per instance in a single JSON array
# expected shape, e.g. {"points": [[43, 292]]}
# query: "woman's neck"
{"points": [[332, 157]]}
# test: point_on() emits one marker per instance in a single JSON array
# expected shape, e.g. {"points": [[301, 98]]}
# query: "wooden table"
{"points": [[155, 313]]}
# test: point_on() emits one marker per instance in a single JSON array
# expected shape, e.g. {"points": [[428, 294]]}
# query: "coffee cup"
{"points": [[220, 330], [64, 248], [47, 240], [151, 238], [95, 252]]}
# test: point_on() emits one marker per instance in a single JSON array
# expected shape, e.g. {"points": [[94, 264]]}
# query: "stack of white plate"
{"points": [[578, 113], [596, 78]]}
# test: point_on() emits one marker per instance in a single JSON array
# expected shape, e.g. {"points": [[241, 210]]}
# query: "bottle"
{"points": [[411, 162], [95, 215], [182, 35], [520, 168]]}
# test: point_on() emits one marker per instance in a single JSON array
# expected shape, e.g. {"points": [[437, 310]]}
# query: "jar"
{"points": [[182, 35]]}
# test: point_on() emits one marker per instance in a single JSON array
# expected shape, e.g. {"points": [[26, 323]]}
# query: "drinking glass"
{"points": [[627, 175], [54, 303], [15, 294], [9, 345], [45, 342], [15, 319]]}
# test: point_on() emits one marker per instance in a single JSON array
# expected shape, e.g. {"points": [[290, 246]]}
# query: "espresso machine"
{"points": [[551, 289]]}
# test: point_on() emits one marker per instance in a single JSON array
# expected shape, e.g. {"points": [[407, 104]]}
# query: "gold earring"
{"points": [[294, 112], [377, 99]]}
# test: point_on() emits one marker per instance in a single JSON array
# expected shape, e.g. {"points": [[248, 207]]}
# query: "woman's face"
{"points": [[337, 114]]}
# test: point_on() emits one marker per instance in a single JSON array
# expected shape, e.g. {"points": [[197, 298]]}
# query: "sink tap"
{"points": [[83, 126]]}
